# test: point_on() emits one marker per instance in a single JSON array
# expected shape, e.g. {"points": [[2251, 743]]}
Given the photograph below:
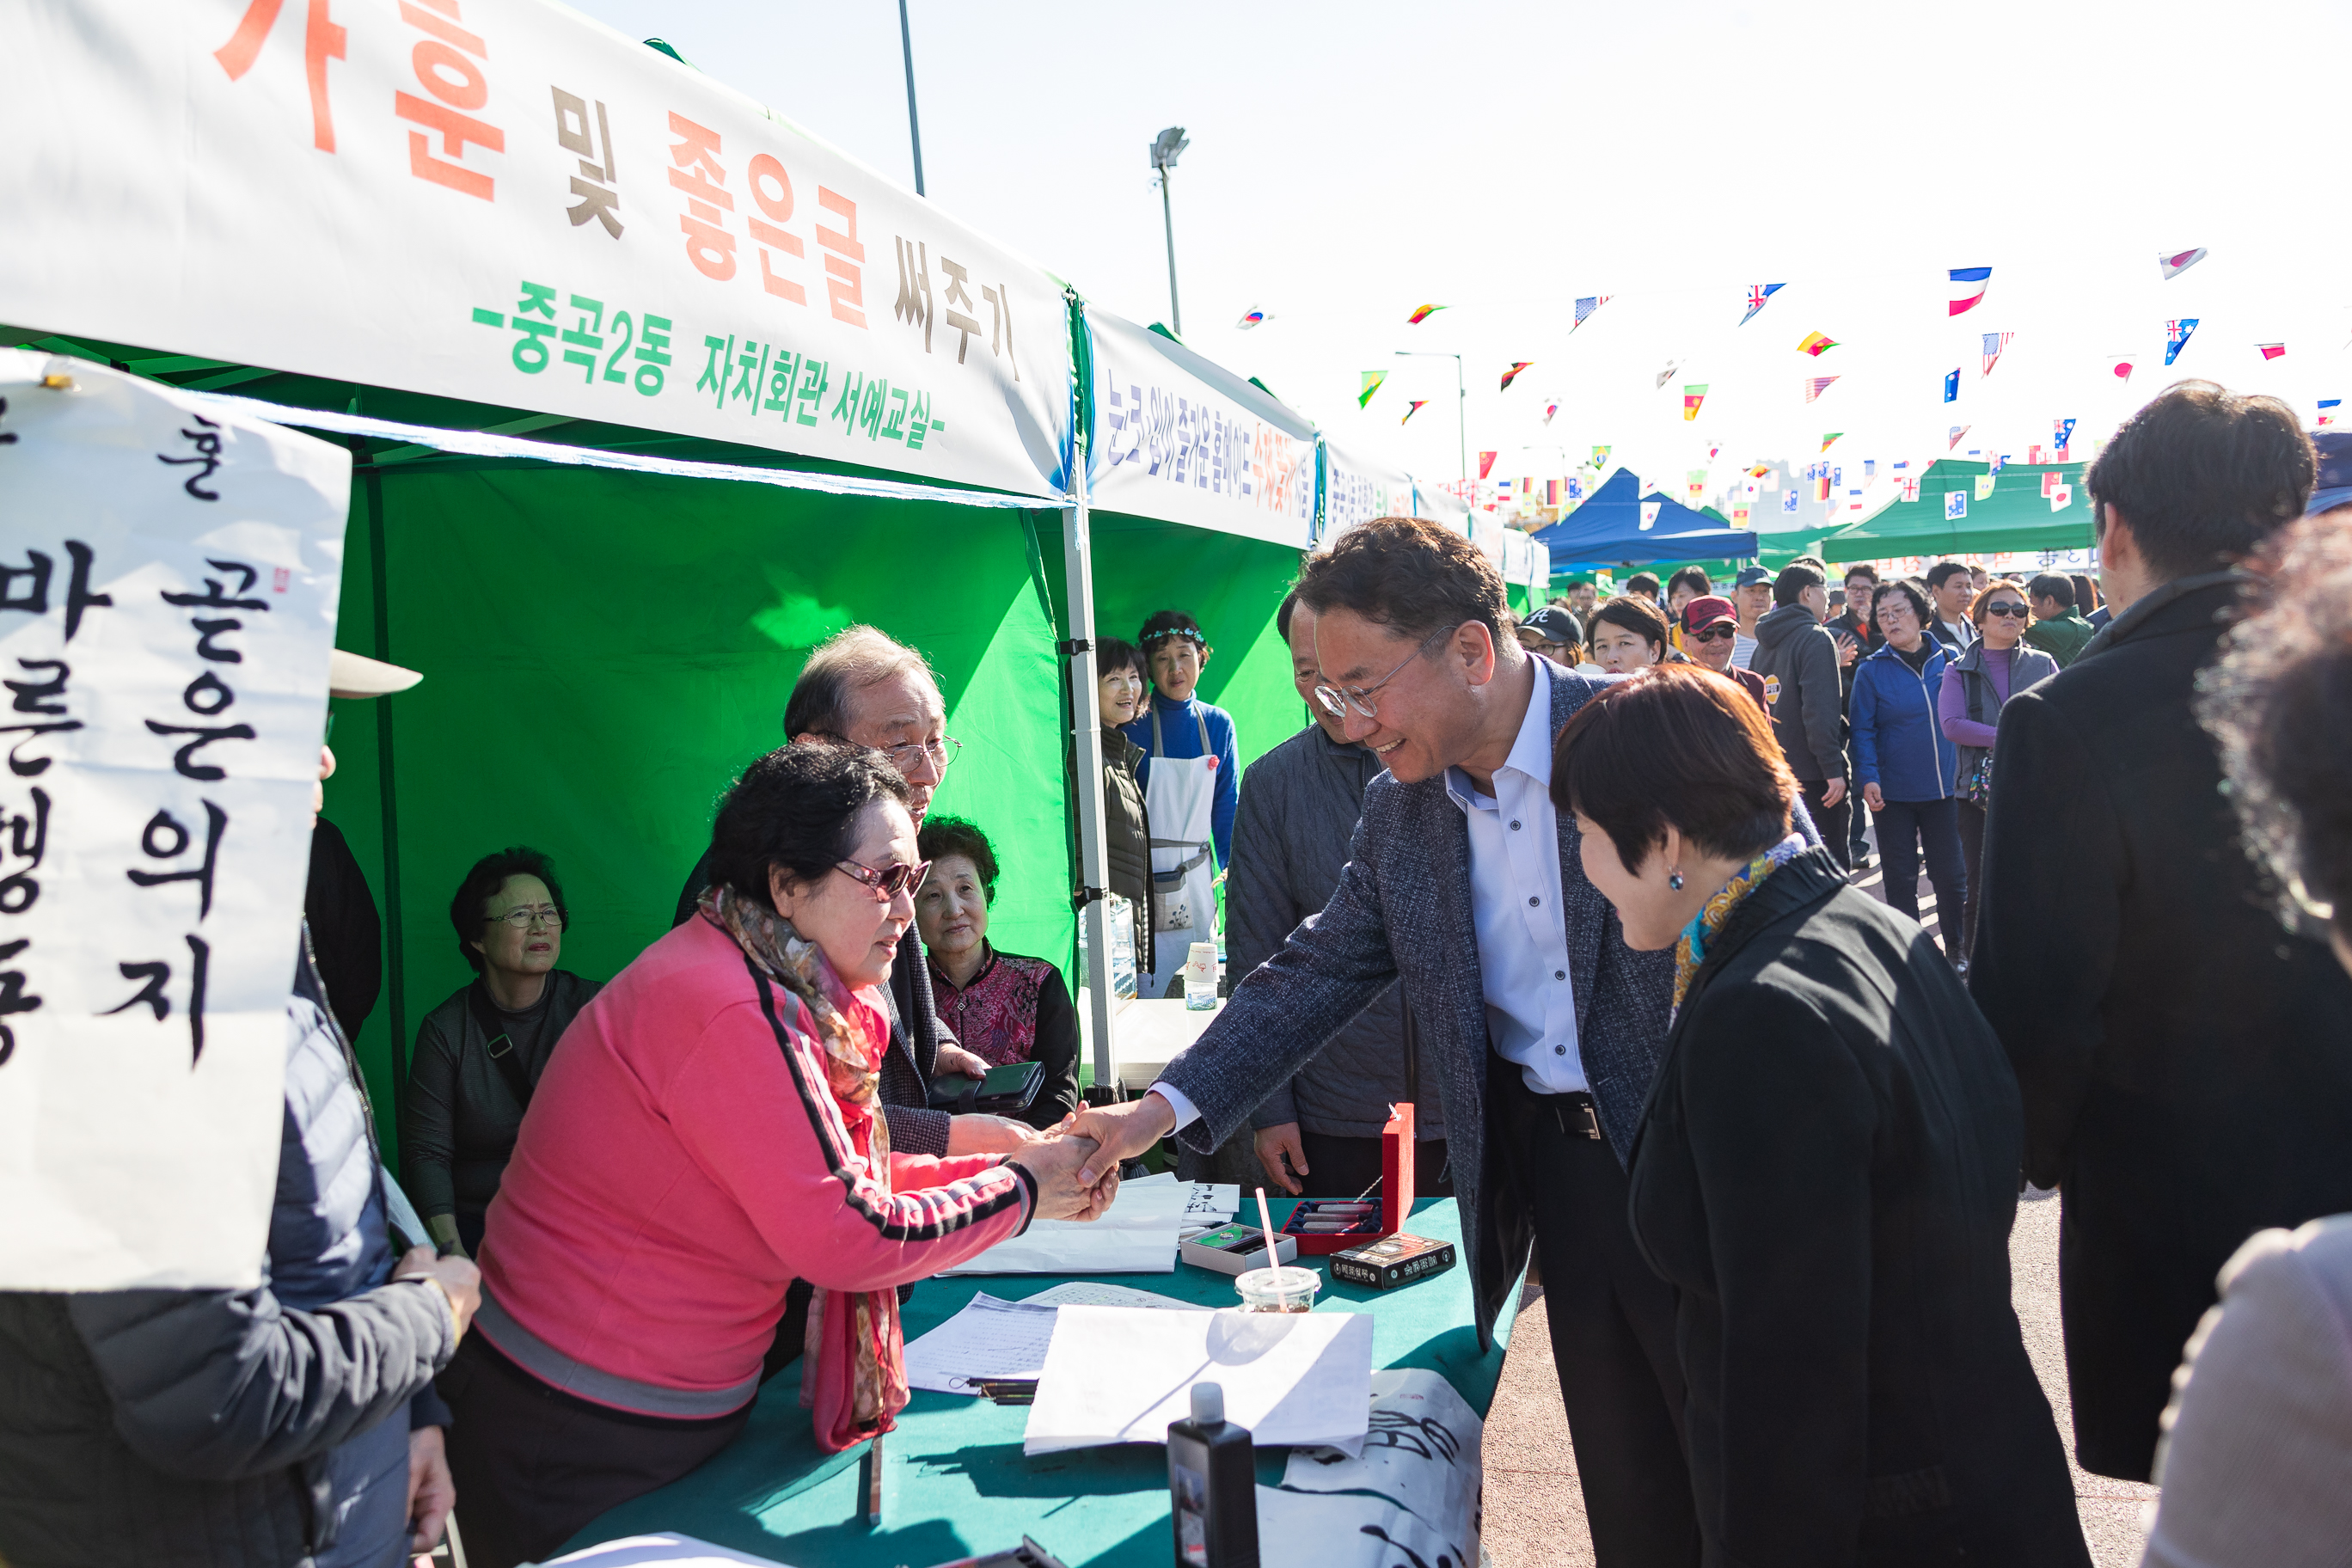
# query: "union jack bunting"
{"points": [[1994, 343], [1910, 489], [1757, 294]]}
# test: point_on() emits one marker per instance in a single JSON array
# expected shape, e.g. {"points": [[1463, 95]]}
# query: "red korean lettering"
{"points": [[448, 64], [697, 171], [844, 276], [323, 40]]}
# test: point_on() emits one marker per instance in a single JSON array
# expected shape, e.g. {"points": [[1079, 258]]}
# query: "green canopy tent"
{"points": [[1965, 508]]}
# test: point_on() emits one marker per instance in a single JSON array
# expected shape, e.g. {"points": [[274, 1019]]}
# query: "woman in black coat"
{"points": [[1826, 1171]]}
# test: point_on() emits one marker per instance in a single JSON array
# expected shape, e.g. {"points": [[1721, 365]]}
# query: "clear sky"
{"points": [[1351, 161]]}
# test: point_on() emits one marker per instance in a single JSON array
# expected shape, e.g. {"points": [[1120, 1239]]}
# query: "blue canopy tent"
{"points": [[1610, 530]]}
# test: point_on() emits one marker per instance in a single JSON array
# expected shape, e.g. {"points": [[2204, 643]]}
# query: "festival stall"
{"points": [[1620, 526], [646, 390], [1962, 508]]}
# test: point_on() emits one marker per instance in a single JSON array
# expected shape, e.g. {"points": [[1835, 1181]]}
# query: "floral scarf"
{"points": [[853, 1378], [1690, 951]]}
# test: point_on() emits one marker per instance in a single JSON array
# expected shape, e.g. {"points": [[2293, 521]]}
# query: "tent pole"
{"points": [[1085, 748]]}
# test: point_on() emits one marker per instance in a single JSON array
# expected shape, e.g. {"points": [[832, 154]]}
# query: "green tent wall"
{"points": [[603, 651]]}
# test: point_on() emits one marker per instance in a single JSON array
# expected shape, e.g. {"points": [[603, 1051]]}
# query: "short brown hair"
{"points": [[1676, 746], [2202, 476], [1413, 576]]}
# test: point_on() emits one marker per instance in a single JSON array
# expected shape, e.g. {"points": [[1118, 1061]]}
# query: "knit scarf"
{"points": [[1690, 951], [853, 1374]]}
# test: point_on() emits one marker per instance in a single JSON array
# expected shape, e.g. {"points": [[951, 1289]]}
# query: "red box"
{"points": [[1395, 1197]]}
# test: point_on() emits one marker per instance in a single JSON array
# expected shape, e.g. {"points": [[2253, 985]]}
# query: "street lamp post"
{"points": [[1461, 408], [1172, 142], [914, 128]]}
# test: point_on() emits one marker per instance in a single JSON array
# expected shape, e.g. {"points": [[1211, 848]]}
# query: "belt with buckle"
{"points": [[1576, 1115]]}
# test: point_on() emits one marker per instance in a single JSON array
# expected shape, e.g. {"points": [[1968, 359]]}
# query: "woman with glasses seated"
{"points": [[1967, 705], [1004, 1008], [709, 1135], [480, 1053]]}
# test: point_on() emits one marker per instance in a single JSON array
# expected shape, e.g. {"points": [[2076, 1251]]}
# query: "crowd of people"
{"points": [[1584, 887]]}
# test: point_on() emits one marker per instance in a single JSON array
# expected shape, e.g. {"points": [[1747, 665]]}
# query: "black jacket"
{"points": [[1127, 834], [459, 1120], [346, 932], [1826, 1173], [1803, 690], [916, 1032], [258, 1428], [2186, 1063]]}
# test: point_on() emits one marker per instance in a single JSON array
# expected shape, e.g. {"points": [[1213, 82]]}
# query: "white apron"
{"points": [[1180, 800]]}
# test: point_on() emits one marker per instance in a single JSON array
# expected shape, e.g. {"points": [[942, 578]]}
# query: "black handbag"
{"points": [[1005, 1091]]}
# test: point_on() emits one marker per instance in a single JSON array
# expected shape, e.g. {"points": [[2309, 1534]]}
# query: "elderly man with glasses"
{"points": [[1539, 1026], [865, 687], [1710, 627]]}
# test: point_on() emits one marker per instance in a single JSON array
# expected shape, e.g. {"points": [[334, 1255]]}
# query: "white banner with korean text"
{"points": [[1357, 489], [168, 587], [505, 202], [1179, 437]]}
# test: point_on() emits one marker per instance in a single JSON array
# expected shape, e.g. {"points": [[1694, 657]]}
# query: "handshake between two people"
{"points": [[1076, 1163]]}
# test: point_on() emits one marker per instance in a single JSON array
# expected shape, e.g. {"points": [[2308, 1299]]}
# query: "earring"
{"points": [[1675, 881]]}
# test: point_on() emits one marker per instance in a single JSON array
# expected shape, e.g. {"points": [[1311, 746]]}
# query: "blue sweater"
{"points": [[1182, 738], [1898, 743]]}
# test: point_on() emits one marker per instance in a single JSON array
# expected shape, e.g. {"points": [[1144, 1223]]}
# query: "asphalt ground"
{"points": [[1534, 1510]]}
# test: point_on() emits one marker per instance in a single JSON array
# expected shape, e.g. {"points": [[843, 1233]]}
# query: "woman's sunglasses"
{"points": [[891, 880], [2013, 611]]}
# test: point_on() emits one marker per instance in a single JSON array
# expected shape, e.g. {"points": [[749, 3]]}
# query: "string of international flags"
{"points": [[1968, 288]]}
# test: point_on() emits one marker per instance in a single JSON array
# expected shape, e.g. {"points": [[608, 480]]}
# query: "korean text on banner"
{"points": [[168, 584], [1357, 489], [1181, 439], [504, 202]]}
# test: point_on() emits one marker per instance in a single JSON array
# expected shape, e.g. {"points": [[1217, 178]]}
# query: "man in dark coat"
{"points": [[1320, 1134], [2184, 1062], [1539, 1026], [1805, 695]]}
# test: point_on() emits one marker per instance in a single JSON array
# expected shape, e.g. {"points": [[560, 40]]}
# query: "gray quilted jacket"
{"points": [[1402, 911]]}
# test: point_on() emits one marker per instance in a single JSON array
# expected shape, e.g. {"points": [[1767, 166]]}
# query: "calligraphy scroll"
{"points": [[168, 583]]}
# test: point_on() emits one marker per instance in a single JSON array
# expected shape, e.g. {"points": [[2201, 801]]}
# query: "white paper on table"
{"points": [[1094, 1293], [1208, 1203], [678, 1550], [989, 1339], [1052, 1246], [1349, 1530], [1119, 1375], [1420, 1452]]}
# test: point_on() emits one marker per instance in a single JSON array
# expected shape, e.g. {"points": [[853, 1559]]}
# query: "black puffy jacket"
{"points": [[256, 1428]]}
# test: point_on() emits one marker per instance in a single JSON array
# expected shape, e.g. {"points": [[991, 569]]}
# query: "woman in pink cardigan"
{"points": [[705, 1133]]}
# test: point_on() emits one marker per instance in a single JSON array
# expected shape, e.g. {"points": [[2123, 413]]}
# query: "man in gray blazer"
{"points": [[1541, 1028]]}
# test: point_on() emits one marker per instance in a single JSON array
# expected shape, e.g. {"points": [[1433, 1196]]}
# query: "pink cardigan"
{"points": [[680, 1164]]}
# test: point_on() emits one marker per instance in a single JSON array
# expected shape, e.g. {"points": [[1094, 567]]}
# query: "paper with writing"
{"points": [[1422, 1452], [168, 588]]}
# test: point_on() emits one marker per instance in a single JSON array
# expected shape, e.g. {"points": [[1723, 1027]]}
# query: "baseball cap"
{"points": [[1751, 575], [355, 675], [1554, 624], [1708, 610], [2334, 487]]}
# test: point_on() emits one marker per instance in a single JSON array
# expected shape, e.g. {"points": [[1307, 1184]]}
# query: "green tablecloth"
{"points": [[954, 1479]]}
